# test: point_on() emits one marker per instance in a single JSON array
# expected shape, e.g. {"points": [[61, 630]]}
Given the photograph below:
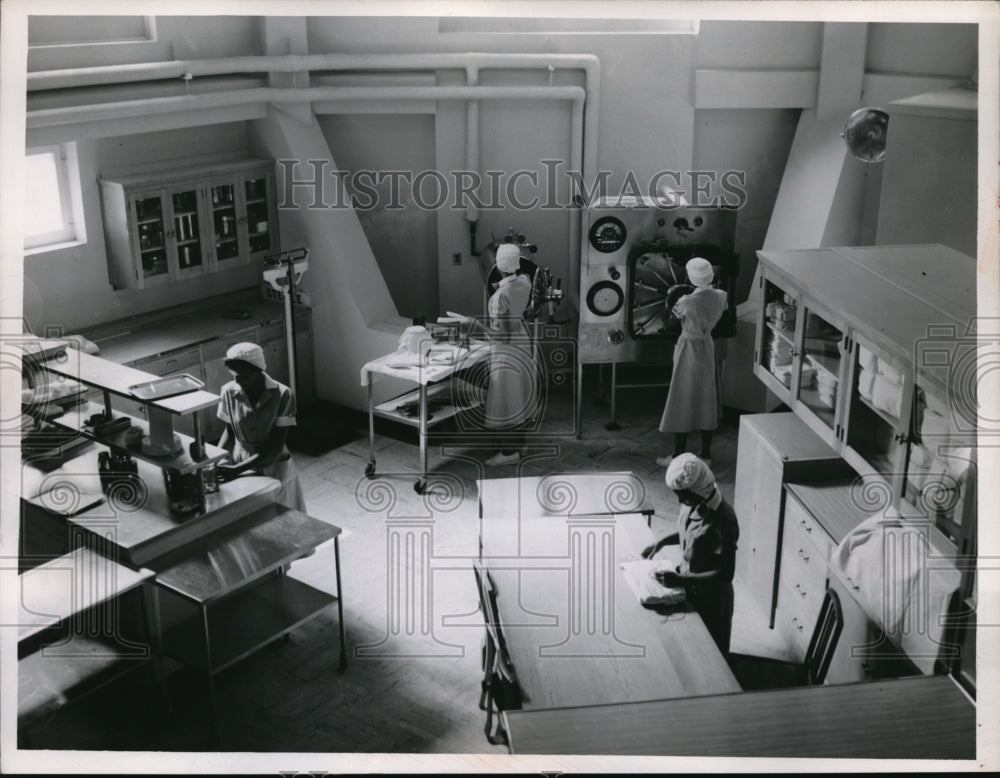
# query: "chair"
{"points": [[500, 690], [756, 672]]}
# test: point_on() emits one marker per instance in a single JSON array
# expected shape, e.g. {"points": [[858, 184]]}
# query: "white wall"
{"points": [[70, 287]]}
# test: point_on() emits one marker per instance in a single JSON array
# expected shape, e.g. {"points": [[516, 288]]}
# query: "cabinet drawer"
{"points": [[802, 525], [803, 579], [217, 349]]}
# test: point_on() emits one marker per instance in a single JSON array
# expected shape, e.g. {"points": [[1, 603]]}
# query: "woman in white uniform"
{"points": [[693, 398], [512, 393], [258, 411]]}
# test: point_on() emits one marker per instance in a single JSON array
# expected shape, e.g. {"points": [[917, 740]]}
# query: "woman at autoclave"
{"points": [[511, 396]]}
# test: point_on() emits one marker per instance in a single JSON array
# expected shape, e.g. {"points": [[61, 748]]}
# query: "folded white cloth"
{"points": [[640, 576], [866, 359], [890, 373], [887, 396], [865, 380]]}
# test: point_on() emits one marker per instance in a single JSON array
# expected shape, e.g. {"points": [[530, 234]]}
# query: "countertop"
{"points": [[162, 332], [837, 506]]}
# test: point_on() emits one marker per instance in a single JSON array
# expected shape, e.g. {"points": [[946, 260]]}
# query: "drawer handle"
{"points": [[803, 555], [805, 526], [795, 621], [800, 590]]}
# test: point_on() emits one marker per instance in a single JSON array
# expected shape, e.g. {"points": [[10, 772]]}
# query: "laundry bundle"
{"points": [[886, 395], [826, 385]]}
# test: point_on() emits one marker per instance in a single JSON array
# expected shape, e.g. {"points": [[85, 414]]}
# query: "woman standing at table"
{"points": [[258, 411], [708, 532]]}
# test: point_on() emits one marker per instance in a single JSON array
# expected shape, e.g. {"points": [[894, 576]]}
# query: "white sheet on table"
{"points": [[901, 583], [640, 576]]}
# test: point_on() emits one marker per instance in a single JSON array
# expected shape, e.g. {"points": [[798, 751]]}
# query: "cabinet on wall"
{"points": [[164, 224], [773, 449]]}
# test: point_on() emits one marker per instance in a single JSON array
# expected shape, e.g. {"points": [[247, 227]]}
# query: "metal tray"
{"points": [[169, 386]]}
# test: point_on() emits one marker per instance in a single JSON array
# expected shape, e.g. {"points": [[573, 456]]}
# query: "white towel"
{"points": [[866, 359], [887, 396], [865, 380], [891, 374]]}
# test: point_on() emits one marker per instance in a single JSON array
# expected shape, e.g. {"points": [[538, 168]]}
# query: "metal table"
{"points": [[430, 376]]}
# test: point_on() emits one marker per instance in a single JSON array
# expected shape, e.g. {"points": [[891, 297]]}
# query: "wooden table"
{"points": [[564, 494], [575, 631], [923, 717]]}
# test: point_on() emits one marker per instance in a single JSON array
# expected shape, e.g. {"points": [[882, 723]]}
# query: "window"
{"points": [[48, 31], [52, 204]]}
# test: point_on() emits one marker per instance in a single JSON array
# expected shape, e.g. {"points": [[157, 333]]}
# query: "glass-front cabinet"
{"points": [[940, 470], [818, 388], [799, 356], [150, 237], [174, 223], [777, 349], [876, 412]]}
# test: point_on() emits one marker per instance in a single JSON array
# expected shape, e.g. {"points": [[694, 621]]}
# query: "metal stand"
{"points": [[283, 272]]}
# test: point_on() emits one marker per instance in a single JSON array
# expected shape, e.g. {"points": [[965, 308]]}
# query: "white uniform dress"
{"points": [[252, 425], [693, 401], [512, 397]]}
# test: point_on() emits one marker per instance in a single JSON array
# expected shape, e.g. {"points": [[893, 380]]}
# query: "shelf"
{"points": [[387, 410], [786, 335], [112, 377], [189, 242], [224, 207], [257, 201], [827, 364], [889, 419], [152, 249], [246, 622], [49, 681], [154, 220], [184, 213], [74, 419]]}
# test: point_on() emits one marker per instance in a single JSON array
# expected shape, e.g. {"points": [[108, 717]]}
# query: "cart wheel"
{"points": [[420, 486], [370, 468]]}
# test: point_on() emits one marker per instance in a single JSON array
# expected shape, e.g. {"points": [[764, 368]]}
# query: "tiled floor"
{"points": [[412, 682]]}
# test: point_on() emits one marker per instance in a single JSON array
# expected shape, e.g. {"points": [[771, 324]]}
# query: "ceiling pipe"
{"points": [[472, 62]]}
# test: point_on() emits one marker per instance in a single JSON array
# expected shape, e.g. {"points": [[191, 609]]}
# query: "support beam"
{"points": [[841, 69]]}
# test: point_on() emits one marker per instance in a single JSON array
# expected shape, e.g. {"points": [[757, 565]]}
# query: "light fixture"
{"points": [[865, 134]]}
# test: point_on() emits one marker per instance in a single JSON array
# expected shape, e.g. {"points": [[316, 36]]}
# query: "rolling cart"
{"points": [[430, 373]]}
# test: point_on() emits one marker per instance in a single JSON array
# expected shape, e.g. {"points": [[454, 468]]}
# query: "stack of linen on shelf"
{"points": [[880, 383]]}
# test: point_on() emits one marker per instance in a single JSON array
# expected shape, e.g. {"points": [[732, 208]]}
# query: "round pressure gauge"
{"points": [[605, 298], [608, 234]]}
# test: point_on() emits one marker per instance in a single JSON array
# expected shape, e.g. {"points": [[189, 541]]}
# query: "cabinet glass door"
{"points": [[187, 231], [777, 348], [940, 463], [224, 222], [151, 232], [258, 219], [819, 374], [876, 419]]}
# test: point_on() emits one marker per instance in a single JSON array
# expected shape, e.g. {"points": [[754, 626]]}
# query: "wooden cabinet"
{"points": [[773, 448], [904, 320], [164, 224], [863, 651], [802, 573]]}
